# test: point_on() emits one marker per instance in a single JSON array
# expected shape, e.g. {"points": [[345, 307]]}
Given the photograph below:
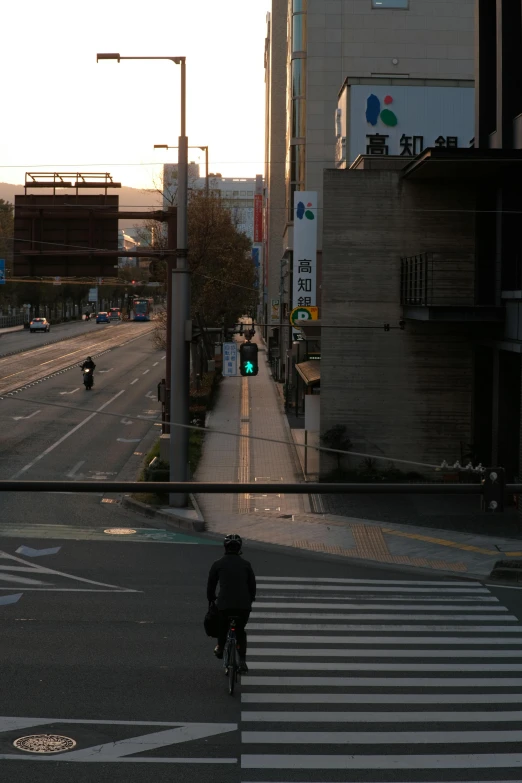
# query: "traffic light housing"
{"points": [[493, 490], [248, 362]]}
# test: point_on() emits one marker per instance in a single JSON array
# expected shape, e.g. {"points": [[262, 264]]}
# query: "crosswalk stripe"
{"points": [[386, 616], [384, 761], [318, 580], [386, 682], [338, 666], [514, 716], [442, 640], [515, 628], [357, 589], [312, 602], [378, 737], [291, 652], [382, 698], [360, 605]]}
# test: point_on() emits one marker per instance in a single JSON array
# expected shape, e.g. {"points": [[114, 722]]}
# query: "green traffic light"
{"points": [[249, 368]]}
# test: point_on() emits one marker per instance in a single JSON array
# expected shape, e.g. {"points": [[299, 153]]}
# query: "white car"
{"points": [[39, 325]]}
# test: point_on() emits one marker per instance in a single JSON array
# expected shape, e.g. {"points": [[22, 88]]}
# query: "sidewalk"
{"points": [[254, 407]]}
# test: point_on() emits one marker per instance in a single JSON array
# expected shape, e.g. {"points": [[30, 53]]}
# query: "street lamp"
{"points": [[179, 322], [191, 147]]}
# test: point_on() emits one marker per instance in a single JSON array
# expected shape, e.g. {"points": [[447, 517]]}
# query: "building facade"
{"points": [[371, 44]]}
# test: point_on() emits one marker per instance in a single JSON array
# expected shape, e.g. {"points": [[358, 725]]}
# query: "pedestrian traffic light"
{"points": [[493, 489], [248, 364]]}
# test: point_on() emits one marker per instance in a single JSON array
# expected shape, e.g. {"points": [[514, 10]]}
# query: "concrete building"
{"points": [[388, 44], [432, 245]]}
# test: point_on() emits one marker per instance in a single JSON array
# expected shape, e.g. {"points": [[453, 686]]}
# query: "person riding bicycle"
{"points": [[237, 591]]}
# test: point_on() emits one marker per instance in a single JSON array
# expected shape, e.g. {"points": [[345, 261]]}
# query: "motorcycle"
{"points": [[88, 378]]}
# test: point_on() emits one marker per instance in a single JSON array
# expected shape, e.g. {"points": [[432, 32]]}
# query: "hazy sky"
{"points": [[62, 111]]}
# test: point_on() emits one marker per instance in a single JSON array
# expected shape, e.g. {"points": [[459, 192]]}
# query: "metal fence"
{"points": [[7, 321], [430, 279]]}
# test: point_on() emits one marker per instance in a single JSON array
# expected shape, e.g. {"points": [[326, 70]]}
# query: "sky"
{"points": [[61, 111]]}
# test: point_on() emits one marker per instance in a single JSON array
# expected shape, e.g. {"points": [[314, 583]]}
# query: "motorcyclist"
{"points": [[237, 591], [88, 365]]}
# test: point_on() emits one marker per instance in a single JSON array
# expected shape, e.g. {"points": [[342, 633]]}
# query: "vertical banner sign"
{"points": [[258, 218], [2, 271], [274, 311], [304, 293], [257, 264], [229, 358]]}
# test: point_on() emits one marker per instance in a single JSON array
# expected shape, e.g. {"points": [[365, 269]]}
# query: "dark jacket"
{"points": [[237, 583], [89, 364]]}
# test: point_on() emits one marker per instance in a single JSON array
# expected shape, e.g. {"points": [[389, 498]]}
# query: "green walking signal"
{"points": [[248, 364]]}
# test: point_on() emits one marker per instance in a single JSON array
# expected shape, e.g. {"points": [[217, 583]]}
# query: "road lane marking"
{"points": [[30, 552], [125, 421], [145, 372], [163, 357], [72, 473], [128, 440], [134, 381], [108, 370], [401, 602], [501, 615], [395, 607], [155, 363], [457, 626], [354, 589], [18, 418], [71, 392], [407, 582], [64, 437]]}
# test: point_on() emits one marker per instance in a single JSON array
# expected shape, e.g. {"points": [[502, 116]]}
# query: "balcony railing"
{"points": [[429, 279]]}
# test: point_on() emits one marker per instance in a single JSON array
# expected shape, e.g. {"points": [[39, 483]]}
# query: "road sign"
{"points": [[229, 359], [303, 314], [2, 271], [93, 294], [57, 281]]}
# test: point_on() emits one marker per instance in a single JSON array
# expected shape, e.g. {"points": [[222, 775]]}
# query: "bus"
{"points": [[141, 310]]}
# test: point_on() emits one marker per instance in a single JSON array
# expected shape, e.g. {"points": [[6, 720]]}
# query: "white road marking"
{"points": [[10, 599], [515, 628], [377, 737], [30, 552], [18, 418], [385, 682], [500, 615], [72, 473], [125, 421], [64, 437], [151, 395], [145, 372], [381, 717], [385, 761], [134, 381], [110, 368], [356, 652], [71, 392], [355, 589], [339, 666], [163, 358], [155, 364], [128, 440], [335, 580], [448, 604], [381, 698], [40, 570], [442, 640]]}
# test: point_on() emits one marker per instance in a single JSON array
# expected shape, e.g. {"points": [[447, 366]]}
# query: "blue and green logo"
{"points": [[374, 113], [302, 211]]}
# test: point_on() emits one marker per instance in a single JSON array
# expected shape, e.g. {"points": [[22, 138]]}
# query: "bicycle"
{"points": [[230, 657]]}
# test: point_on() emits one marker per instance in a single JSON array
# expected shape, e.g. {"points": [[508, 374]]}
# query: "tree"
{"points": [[336, 438]]}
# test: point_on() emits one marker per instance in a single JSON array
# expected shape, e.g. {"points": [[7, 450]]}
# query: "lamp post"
{"points": [[192, 147], [180, 322]]}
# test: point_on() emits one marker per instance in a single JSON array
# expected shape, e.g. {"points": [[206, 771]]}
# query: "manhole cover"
{"points": [[44, 743], [119, 531]]}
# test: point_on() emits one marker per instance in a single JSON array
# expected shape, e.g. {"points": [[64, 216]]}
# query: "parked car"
{"points": [[103, 318], [39, 325]]}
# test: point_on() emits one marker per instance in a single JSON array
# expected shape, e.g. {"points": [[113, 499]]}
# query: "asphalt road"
{"points": [[104, 664], [23, 340], [56, 429]]}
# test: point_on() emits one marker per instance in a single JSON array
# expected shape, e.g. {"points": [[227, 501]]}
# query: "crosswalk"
{"points": [[373, 681]]}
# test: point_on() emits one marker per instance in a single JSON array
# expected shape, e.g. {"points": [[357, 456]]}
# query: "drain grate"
{"points": [[44, 743]]}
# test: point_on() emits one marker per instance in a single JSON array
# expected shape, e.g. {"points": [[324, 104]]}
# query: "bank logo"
{"points": [[302, 211], [374, 113]]}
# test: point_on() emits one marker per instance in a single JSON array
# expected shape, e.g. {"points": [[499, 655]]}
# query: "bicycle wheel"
{"points": [[232, 670]]}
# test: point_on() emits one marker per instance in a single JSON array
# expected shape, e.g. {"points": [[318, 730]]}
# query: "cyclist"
{"points": [[237, 591]]}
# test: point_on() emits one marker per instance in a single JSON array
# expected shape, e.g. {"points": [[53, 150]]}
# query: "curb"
{"points": [[172, 520], [507, 571]]}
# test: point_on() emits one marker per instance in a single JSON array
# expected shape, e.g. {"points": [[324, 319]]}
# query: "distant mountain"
{"points": [[130, 198]]}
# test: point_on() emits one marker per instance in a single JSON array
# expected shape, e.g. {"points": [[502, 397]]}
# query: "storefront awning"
{"points": [[310, 372]]}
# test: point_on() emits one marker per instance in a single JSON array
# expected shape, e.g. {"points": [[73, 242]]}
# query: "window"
{"points": [[299, 32], [298, 78], [298, 118], [390, 4]]}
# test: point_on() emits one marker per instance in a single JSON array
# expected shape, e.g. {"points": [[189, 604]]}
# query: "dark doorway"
{"points": [[509, 413]]}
